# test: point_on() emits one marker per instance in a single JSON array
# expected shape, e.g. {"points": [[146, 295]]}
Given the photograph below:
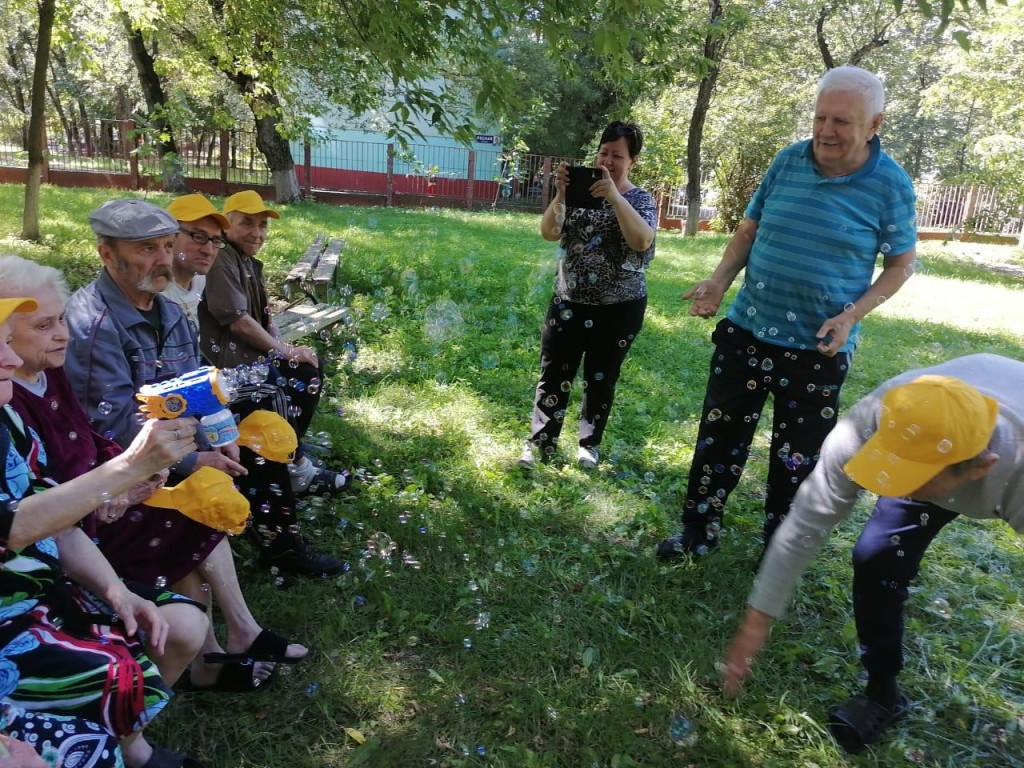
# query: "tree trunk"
{"points": [[86, 128], [819, 38], [17, 94], [37, 123], [961, 152], [266, 109], [62, 115], [153, 90], [715, 42], [278, 153]]}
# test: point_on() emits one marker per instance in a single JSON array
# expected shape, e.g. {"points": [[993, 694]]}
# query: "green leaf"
{"points": [[963, 39], [364, 752], [925, 8], [590, 655]]}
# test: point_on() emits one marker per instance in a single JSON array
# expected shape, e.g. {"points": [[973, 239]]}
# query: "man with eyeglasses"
{"points": [[196, 245]]}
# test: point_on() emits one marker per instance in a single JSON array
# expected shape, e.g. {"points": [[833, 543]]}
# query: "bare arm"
{"points": [[707, 295], [896, 270], [158, 445], [638, 233], [83, 562]]}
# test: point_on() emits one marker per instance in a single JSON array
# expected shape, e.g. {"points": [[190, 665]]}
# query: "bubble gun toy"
{"points": [[203, 393]]}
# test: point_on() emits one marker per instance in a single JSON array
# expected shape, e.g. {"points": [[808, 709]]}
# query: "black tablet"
{"points": [[577, 194]]}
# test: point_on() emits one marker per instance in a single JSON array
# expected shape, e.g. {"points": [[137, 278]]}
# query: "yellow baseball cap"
{"points": [[270, 435], [9, 306], [248, 201], [207, 496], [923, 427], [195, 207]]}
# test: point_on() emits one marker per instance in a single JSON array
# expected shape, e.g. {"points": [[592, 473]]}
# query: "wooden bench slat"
{"points": [[302, 321], [313, 273], [307, 262], [328, 263]]}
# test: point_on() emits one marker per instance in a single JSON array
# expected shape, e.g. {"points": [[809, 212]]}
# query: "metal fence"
{"points": [[448, 175], [971, 208], [112, 146], [675, 200]]}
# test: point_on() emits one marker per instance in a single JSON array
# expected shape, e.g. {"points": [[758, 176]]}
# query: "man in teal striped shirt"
{"points": [[825, 210]]}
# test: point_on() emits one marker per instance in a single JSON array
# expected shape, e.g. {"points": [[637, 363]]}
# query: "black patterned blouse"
{"points": [[596, 265]]}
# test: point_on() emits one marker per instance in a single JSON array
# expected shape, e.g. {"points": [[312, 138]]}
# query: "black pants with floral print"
{"points": [[599, 336], [886, 559], [804, 385]]}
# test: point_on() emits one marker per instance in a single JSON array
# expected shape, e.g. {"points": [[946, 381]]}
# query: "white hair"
{"points": [[22, 277], [846, 79]]}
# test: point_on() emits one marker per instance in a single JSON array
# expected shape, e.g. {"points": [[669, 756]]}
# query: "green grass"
{"points": [[583, 650]]}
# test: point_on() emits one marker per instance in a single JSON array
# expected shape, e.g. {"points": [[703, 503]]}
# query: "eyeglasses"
{"points": [[202, 238]]}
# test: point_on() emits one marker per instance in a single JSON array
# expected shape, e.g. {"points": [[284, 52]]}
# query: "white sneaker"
{"points": [[587, 456], [528, 458]]}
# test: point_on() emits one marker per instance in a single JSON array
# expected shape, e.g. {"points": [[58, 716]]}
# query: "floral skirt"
{"points": [[77, 662]]}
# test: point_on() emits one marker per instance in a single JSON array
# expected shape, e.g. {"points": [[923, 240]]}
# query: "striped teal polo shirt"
{"points": [[817, 242]]}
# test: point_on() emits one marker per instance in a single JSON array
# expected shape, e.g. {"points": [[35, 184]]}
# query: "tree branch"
{"points": [[819, 36]]}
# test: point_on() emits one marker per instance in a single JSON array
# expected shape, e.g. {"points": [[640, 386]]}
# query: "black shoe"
{"points": [[300, 559], [690, 543]]}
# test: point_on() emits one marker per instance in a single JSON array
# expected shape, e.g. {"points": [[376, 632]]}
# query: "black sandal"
{"points": [[233, 678], [859, 721], [268, 646]]}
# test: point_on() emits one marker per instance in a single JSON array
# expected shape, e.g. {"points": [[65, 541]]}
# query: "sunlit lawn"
{"points": [[492, 617]]}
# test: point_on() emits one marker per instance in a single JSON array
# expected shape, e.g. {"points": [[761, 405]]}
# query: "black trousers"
{"points": [[745, 369], [886, 558], [302, 384], [599, 336], [268, 486]]}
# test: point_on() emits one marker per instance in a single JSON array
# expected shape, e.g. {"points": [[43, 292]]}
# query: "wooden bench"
{"points": [[312, 278]]}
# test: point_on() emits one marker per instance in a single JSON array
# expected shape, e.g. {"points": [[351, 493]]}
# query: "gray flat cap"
{"points": [[132, 219]]}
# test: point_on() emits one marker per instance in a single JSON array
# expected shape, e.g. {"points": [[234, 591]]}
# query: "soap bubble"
{"points": [[443, 321], [682, 731]]}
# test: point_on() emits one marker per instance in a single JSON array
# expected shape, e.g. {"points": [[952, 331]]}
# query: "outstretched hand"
{"points": [[746, 644], [161, 443], [707, 297]]}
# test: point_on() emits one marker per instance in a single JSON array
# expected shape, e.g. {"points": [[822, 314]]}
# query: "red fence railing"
{"points": [[221, 160]]}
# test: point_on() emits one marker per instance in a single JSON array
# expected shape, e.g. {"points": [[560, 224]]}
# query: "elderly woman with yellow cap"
{"points": [[934, 444], [158, 547], [69, 628]]}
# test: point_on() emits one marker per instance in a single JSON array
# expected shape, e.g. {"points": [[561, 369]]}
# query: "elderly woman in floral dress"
{"points": [[148, 545], [75, 681]]}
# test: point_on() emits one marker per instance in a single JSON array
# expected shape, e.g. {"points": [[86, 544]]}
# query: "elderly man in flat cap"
{"points": [[933, 444], [124, 334], [236, 329]]}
